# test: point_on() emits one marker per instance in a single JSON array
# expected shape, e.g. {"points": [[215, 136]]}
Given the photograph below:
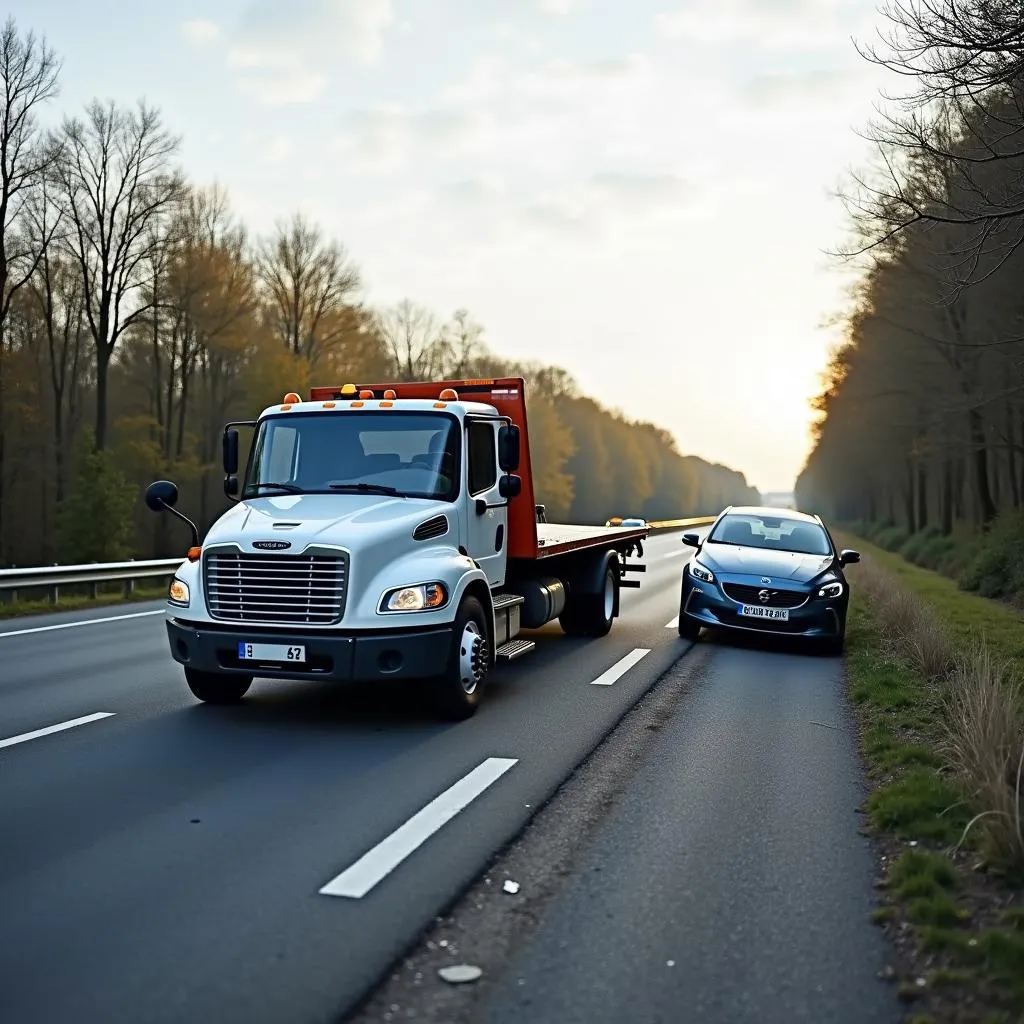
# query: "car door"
{"points": [[487, 510]]}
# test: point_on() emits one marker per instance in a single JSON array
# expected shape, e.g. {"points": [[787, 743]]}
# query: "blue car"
{"points": [[767, 570]]}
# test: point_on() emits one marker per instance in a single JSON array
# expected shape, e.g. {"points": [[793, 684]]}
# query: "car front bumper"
{"points": [[355, 658], [706, 603]]}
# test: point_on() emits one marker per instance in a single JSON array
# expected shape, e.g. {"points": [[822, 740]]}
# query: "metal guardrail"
{"points": [[91, 575]]}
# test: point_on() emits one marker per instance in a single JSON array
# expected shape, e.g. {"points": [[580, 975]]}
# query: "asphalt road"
{"points": [[164, 861]]}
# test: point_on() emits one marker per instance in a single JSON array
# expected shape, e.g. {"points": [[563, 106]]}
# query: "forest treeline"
{"points": [[920, 437], [137, 316]]}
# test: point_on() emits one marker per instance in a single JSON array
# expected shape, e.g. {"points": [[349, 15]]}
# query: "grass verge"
{"points": [[933, 676], [73, 602]]}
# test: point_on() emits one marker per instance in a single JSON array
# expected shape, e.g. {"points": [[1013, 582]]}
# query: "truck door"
{"points": [[487, 510]]}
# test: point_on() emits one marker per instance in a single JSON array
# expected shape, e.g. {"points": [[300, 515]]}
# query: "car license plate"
{"points": [[759, 611], [271, 652]]}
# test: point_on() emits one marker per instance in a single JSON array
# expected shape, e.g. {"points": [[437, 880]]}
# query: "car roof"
{"points": [[772, 512]]}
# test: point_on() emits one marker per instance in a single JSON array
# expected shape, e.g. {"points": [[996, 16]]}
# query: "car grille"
{"points": [[306, 589], [777, 599]]}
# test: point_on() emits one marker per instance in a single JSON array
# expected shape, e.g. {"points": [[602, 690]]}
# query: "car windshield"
{"points": [[413, 455], [773, 533]]}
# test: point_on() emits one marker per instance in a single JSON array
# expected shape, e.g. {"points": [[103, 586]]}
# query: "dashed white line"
{"points": [[375, 865], [673, 624], [621, 667], [81, 622], [50, 729]]}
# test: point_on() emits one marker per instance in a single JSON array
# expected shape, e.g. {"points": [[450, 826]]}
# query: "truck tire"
{"points": [[592, 615], [217, 687], [458, 689]]}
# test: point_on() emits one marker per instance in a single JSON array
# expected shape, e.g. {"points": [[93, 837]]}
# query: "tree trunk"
{"points": [[986, 506]]}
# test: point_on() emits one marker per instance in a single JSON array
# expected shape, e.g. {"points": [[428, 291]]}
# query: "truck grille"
{"points": [[777, 598], [276, 588]]}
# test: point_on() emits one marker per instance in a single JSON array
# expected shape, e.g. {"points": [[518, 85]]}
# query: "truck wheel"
{"points": [[217, 687], [457, 691], [592, 614]]}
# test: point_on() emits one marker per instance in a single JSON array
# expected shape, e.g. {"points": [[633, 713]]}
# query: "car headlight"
{"points": [[421, 597], [178, 593], [699, 572], [831, 590]]}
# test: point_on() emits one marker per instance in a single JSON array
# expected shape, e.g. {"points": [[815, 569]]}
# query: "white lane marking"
{"points": [[674, 624], [620, 667], [376, 864], [674, 554], [81, 622], [50, 729]]}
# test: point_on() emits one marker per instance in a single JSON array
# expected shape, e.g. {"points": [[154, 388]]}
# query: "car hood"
{"points": [[777, 565]]}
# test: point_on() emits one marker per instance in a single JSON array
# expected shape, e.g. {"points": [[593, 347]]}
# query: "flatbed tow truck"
{"points": [[385, 531]]}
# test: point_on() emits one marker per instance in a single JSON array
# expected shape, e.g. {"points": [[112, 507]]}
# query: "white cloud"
{"points": [[199, 32], [285, 52], [557, 7]]}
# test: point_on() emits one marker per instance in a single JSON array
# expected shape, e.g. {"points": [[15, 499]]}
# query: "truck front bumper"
{"points": [[356, 658]]}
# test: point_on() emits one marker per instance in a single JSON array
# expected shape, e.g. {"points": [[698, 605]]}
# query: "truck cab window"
{"points": [[483, 457]]}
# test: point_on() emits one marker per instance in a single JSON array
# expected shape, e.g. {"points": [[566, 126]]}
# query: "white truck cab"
{"points": [[381, 532]]}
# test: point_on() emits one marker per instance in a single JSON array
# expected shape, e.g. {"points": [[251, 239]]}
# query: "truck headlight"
{"points": [[699, 572], [178, 593], [831, 590], [421, 597]]}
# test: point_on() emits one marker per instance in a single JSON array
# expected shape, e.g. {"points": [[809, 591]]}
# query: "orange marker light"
{"points": [[291, 398], [193, 554], [440, 405], [449, 395], [366, 393], [348, 389], [329, 405], [358, 405], [386, 405], [285, 408], [390, 394]]}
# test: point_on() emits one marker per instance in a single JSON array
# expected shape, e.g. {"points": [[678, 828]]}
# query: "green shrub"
{"points": [[996, 566]]}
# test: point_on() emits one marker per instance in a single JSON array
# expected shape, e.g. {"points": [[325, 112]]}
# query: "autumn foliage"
{"points": [[138, 316]]}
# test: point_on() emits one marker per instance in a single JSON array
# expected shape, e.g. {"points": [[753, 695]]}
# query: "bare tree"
{"points": [[415, 340], [118, 185], [28, 72], [310, 284]]}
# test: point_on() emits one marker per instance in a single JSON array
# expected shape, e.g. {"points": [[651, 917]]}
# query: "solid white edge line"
{"points": [[674, 624], [50, 729], [81, 622], [376, 864], [620, 667]]}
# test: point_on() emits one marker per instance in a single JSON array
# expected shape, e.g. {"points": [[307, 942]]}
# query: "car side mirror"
{"points": [[848, 556], [510, 486], [691, 540]]}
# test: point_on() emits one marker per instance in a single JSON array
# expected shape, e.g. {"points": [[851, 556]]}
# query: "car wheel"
{"points": [[833, 646]]}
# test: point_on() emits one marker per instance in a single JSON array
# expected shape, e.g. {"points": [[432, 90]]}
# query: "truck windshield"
{"points": [[415, 455]]}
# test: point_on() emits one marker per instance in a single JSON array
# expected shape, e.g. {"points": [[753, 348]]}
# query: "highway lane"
{"points": [[167, 861], [730, 883]]}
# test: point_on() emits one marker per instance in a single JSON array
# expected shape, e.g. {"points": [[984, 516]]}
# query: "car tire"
{"points": [[457, 691], [217, 687], [833, 646], [688, 628]]}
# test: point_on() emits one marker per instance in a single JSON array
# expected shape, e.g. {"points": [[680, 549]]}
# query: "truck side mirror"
{"points": [[229, 447], [231, 486], [508, 447], [162, 496], [510, 486]]}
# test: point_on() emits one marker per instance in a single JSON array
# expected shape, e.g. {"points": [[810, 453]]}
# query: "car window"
{"points": [[773, 533]]}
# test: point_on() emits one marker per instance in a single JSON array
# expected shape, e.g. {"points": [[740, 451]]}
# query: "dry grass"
{"points": [[982, 701], [984, 726]]}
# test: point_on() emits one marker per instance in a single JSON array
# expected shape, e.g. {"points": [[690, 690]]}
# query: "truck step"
{"points": [[634, 567], [503, 601], [514, 649], [634, 584]]}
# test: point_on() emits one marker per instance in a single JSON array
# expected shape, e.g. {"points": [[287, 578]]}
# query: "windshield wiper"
{"points": [[290, 488], [368, 489]]}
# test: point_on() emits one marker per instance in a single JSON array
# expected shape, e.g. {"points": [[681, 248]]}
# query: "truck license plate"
{"points": [[271, 652]]}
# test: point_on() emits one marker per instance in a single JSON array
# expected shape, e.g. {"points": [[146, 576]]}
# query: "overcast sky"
{"points": [[637, 192]]}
